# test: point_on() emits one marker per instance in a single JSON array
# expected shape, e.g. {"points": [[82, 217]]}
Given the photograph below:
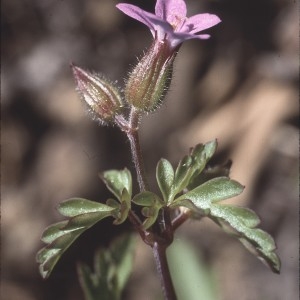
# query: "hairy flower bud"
{"points": [[150, 79], [103, 99]]}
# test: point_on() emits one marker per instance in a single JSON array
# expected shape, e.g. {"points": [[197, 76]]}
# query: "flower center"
{"points": [[177, 22]]}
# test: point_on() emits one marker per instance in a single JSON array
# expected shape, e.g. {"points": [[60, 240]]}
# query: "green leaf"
{"points": [[242, 215], [124, 208], [183, 174], [60, 236], [53, 232], [48, 256], [201, 155], [188, 168], [122, 251], [117, 180], [214, 190], [92, 287], [77, 206], [209, 173], [151, 214], [165, 177], [146, 199], [244, 221], [188, 267], [210, 149], [112, 268], [152, 204], [235, 220]]}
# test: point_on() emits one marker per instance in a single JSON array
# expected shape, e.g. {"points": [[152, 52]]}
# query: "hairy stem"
{"points": [[133, 137]]}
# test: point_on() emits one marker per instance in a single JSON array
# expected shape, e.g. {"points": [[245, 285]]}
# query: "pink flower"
{"points": [[169, 23]]}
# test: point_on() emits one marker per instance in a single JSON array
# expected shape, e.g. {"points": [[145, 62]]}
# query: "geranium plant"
{"points": [[189, 190]]}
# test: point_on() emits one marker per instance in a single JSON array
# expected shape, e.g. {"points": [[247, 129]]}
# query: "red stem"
{"points": [[159, 252]]}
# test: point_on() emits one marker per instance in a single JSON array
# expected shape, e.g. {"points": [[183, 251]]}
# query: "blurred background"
{"points": [[240, 87]]}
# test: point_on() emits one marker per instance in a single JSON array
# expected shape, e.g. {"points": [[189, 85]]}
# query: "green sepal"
{"points": [[112, 268], [60, 236], [117, 180]]}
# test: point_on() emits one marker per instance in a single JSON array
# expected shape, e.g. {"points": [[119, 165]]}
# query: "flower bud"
{"points": [[103, 99], [149, 81]]}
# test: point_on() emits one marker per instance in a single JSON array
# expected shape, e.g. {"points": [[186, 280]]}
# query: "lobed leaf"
{"points": [[210, 149], [151, 214], [165, 178], [112, 268], [146, 199], [151, 205], [209, 173], [235, 220], [60, 236], [214, 190], [201, 155], [172, 183], [244, 221], [78, 206], [48, 256], [117, 180], [53, 231], [183, 174], [124, 208]]}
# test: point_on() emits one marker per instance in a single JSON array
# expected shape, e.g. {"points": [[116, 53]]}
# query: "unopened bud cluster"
{"points": [[144, 90]]}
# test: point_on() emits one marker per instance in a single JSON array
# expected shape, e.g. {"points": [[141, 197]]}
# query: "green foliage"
{"points": [[151, 205], [238, 221], [171, 183], [112, 268], [203, 188], [214, 190], [192, 185], [199, 282], [119, 182], [59, 237], [82, 215]]}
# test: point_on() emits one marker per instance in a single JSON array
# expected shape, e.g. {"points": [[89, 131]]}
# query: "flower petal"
{"points": [[139, 14], [200, 22], [171, 10], [178, 38]]}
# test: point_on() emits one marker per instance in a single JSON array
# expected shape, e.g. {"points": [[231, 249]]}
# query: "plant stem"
{"points": [[159, 252], [180, 219], [133, 137], [162, 236]]}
